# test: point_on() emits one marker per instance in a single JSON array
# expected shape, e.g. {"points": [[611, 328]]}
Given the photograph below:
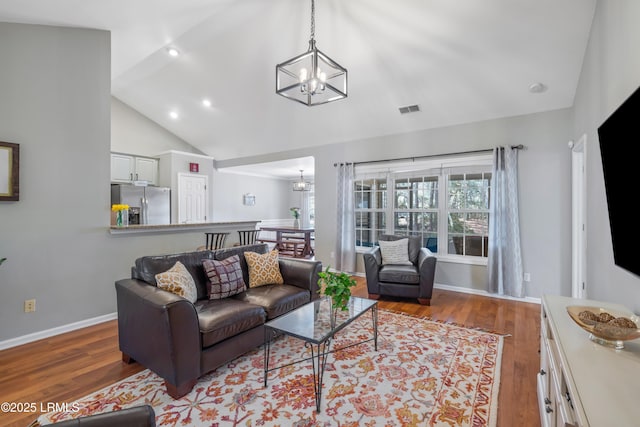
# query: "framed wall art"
{"points": [[9, 171], [248, 199]]}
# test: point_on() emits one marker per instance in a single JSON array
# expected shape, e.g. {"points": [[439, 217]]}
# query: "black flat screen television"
{"points": [[619, 137]]}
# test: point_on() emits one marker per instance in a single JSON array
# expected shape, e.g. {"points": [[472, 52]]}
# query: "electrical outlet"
{"points": [[30, 305], [333, 255], [527, 277]]}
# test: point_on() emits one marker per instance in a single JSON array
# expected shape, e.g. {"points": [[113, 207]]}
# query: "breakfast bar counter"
{"points": [[228, 226]]}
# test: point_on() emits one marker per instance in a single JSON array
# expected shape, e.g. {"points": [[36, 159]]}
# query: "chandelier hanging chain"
{"points": [[311, 78], [313, 20]]}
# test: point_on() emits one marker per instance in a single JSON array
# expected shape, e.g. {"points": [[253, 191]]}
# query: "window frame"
{"points": [[436, 167]]}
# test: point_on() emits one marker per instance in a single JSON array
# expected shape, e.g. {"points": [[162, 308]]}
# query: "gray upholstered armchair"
{"points": [[410, 281]]}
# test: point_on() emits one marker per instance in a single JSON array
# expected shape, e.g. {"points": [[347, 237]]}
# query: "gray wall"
{"points": [[55, 103], [611, 72], [133, 133], [544, 172], [545, 190], [272, 197]]}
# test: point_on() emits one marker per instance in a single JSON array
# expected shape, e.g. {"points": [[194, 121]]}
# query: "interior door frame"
{"points": [[182, 176], [579, 217]]}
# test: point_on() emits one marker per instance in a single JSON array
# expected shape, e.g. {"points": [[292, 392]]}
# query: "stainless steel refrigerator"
{"points": [[147, 205]]}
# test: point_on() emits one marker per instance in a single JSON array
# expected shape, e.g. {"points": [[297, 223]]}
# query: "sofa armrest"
{"points": [[160, 330], [301, 273], [372, 263]]}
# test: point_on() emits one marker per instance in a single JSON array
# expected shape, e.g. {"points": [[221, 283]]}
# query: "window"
{"points": [[468, 214], [438, 202]]}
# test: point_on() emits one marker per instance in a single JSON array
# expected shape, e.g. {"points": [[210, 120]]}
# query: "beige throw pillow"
{"points": [[395, 252], [178, 280], [263, 269]]}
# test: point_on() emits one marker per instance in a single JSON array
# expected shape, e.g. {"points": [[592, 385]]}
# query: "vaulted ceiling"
{"points": [[459, 60]]}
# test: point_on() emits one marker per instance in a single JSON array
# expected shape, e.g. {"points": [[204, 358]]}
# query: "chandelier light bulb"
{"points": [[303, 75]]}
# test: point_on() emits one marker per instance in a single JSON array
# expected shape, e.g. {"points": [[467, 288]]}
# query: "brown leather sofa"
{"points": [[181, 341], [409, 281]]}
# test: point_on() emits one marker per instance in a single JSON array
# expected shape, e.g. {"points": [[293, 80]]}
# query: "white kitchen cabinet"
{"points": [[582, 383], [126, 168]]}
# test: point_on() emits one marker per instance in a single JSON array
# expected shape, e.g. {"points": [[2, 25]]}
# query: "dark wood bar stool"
{"points": [[247, 237], [215, 240]]}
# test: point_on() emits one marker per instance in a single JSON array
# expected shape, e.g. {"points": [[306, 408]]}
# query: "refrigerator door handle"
{"points": [[143, 208]]}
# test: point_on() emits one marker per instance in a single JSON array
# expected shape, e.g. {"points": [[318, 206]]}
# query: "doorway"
{"points": [[579, 219], [193, 202]]}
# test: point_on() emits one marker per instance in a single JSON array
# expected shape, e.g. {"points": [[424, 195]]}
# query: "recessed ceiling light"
{"points": [[172, 51], [537, 88], [206, 103], [173, 114]]}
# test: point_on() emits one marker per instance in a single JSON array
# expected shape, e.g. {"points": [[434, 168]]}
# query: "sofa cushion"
{"points": [[148, 266], [264, 269], [178, 280], [395, 252], [276, 299], [224, 318], [260, 248], [225, 277], [399, 274]]}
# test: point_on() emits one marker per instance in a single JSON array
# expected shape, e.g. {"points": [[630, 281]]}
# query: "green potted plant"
{"points": [[337, 286]]}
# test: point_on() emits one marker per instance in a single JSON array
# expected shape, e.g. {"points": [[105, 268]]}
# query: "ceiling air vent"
{"points": [[409, 109]]}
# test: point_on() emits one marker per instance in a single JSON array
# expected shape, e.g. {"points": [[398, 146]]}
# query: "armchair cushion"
{"points": [[415, 244], [399, 273], [395, 252]]}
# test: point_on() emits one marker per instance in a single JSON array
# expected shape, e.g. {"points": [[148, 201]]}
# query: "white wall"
{"points": [[611, 72]]}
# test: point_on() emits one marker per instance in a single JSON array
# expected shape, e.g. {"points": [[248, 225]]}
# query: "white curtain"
{"points": [[505, 259], [346, 223]]}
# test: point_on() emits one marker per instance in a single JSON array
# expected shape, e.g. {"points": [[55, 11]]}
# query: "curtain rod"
{"points": [[413, 159]]}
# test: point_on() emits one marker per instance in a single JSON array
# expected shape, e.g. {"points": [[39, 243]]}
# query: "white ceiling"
{"points": [[460, 60]]}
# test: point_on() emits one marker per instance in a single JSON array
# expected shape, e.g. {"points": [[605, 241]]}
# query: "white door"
{"points": [[192, 198], [579, 219]]}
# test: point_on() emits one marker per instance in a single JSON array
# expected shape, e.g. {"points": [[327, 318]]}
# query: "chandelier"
{"points": [[301, 185], [311, 78]]}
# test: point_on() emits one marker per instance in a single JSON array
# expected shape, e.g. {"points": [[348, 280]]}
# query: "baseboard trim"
{"points": [[479, 292], [25, 339]]}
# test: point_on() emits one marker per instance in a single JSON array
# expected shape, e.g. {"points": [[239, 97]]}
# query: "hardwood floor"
{"points": [[66, 367]]}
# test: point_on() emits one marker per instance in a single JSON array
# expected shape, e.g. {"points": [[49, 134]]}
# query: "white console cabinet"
{"points": [[582, 383]]}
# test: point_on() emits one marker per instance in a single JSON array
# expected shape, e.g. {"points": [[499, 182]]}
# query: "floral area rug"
{"points": [[424, 374]]}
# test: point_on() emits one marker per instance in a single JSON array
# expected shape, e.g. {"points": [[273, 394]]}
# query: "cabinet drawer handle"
{"points": [[548, 409], [542, 372], [547, 401]]}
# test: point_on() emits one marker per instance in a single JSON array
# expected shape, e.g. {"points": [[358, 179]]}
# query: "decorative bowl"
{"points": [[602, 332]]}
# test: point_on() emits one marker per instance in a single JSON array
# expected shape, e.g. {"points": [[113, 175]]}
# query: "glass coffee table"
{"points": [[316, 323]]}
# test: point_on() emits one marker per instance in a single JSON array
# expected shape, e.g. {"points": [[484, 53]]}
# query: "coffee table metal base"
{"points": [[319, 353]]}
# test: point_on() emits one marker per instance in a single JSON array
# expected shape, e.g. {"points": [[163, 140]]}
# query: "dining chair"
{"points": [[215, 240], [247, 237]]}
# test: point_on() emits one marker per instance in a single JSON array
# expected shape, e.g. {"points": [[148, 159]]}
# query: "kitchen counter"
{"points": [[230, 226]]}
